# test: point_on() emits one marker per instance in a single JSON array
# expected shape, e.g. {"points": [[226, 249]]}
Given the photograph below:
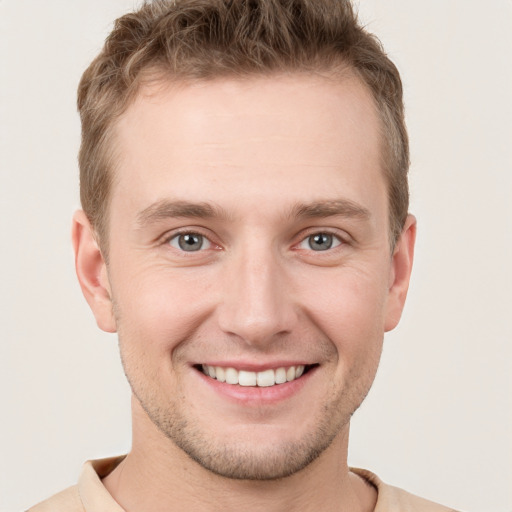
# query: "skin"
{"points": [[276, 160]]}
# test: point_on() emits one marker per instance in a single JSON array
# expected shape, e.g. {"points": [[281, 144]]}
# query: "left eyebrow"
{"points": [[330, 208]]}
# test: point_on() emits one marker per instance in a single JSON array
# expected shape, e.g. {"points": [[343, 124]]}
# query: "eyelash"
{"points": [[337, 240], [192, 232]]}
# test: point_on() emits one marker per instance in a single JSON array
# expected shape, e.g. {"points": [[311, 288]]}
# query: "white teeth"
{"points": [[221, 374], [246, 378], [280, 376], [265, 378], [231, 376]]}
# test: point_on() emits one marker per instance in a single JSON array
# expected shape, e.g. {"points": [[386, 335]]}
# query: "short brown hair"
{"points": [[205, 39]]}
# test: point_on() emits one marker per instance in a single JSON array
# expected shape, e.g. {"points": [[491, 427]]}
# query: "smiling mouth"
{"points": [[265, 378]]}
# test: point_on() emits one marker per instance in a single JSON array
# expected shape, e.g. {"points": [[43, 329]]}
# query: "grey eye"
{"points": [[189, 242], [320, 242]]}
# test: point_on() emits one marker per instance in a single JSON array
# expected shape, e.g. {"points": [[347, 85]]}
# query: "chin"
{"points": [[254, 460], [251, 452]]}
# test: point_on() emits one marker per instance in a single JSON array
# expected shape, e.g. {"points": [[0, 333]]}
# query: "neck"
{"points": [[158, 476]]}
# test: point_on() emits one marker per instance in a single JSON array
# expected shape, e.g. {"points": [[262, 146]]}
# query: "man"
{"points": [[245, 231]]}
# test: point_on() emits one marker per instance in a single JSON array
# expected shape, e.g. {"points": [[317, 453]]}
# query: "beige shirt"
{"points": [[90, 495]]}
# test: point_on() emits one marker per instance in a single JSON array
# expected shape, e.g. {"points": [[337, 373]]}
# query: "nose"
{"points": [[257, 303]]}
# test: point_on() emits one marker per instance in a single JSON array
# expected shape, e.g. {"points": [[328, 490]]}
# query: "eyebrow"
{"points": [[330, 208], [166, 209]]}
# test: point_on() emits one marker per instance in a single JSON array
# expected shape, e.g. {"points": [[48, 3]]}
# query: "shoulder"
{"points": [[406, 501], [88, 495], [393, 499], [65, 501]]}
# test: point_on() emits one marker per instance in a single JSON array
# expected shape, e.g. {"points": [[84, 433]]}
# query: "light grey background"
{"points": [[439, 418]]}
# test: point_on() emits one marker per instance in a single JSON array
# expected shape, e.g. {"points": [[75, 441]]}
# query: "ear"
{"points": [[91, 271], [400, 273]]}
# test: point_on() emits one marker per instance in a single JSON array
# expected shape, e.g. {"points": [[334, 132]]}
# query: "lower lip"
{"points": [[254, 395]]}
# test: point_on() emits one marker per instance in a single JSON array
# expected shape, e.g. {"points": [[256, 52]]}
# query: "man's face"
{"points": [[249, 240]]}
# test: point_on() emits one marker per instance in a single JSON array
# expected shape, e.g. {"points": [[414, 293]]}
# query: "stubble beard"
{"points": [[243, 461], [246, 460]]}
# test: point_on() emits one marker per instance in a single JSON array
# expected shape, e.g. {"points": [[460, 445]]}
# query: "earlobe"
{"points": [[400, 273], [91, 271]]}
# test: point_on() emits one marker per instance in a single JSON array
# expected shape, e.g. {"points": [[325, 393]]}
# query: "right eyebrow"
{"points": [[166, 209]]}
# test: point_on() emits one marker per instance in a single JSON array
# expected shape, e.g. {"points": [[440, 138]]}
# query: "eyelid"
{"points": [[343, 237], [189, 230], [337, 241], [205, 242]]}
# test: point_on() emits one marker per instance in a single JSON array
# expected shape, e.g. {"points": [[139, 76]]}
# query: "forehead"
{"points": [[257, 136]]}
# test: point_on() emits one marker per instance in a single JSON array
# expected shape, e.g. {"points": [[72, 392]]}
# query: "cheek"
{"points": [[349, 306], [159, 307]]}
